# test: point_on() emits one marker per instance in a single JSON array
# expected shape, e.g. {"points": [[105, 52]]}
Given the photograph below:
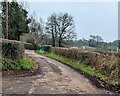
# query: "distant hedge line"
{"points": [[106, 63]]}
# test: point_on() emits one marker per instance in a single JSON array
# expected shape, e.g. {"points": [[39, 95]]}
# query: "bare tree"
{"points": [[65, 24], [99, 39], [95, 40], [51, 28], [61, 28], [23, 3], [36, 29]]}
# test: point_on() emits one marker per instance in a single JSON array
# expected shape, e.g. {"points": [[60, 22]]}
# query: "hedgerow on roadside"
{"points": [[103, 62], [13, 56]]}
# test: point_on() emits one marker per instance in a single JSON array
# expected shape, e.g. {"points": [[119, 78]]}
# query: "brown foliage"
{"points": [[104, 62]]}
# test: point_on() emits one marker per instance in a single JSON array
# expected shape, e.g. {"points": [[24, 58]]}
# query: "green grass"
{"points": [[23, 64], [89, 70], [26, 63], [76, 65]]}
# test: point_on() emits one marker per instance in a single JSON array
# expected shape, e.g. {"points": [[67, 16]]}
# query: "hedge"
{"points": [[105, 63], [12, 49], [31, 46]]}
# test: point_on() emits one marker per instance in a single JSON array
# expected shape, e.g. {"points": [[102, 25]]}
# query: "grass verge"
{"points": [[23, 64]]}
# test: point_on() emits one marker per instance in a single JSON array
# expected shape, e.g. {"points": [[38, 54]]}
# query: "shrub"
{"points": [[23, 64], [37, 47], [47, 48], [31, 46], [31, 40], [12, 49]]}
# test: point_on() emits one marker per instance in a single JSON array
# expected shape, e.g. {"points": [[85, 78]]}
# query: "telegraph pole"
{"points": [[6, 37]]}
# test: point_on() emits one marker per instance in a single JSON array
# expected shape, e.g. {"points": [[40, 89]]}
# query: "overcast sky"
{"points": [[91, 18]]}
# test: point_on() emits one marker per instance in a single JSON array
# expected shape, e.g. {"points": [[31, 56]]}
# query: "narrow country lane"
{"points": [[55, 78]]}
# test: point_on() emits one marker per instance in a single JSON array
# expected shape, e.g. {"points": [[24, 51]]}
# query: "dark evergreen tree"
{"points": [[17, 20]]}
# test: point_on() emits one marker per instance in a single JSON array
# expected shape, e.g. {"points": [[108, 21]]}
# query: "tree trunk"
{"points": [[53, 39], [60, 41], [53, 42]]}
